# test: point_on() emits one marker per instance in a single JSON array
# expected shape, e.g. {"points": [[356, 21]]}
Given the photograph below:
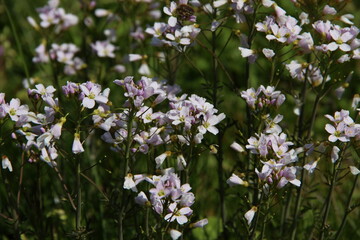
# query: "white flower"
{"points": [[44, 92], [236, 180], [355, 101], [346, 19], [49, 155], [161, 158], [267, 3], [214, 25], [100, 12], [245, 52], [180, 215], [134, 57], [129, 183], [144, 69], [141, 198], [181, 162], [311, 166], [249, 215], [33, 23], [335, 154], [6, 164], [175, 234], [104, 49], [237, 147], [219, 3], [56, 129], [201, 223], [304, 17], [354, 170], [209, 123], [15, 110], [329, 10], [92, 95], [269, 53], [77, 146]]}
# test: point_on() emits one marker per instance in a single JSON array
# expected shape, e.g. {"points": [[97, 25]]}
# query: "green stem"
{"points": [[317, 101], [285, 212], [65, 188], [264, 221], [347, 209], [328, 199], [272, 73], [298, 200], [219, 157], [126, 171], [78, 189]]}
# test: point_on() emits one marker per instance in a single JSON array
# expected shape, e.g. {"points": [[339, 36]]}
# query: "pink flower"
{"points": [[201, 223], [337, 133], [15, 110], [142, 199], [104, 49], [92, 94], [180, 215]]}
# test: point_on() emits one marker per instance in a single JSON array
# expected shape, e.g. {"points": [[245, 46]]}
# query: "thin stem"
{"points": [[221, 65], [221, 182], [313, 115], [147, 222], [298, 201], [126, 171], [285, 212], [347, 209], [78, 188], [20, 181], [316, 103], [264, 220], [65, 188], [6, 217], [328, 199], [272, 73], [219, 157], [96, 185]]}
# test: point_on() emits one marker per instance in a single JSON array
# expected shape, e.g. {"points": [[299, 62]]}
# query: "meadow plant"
{"points": [[186, 119]]}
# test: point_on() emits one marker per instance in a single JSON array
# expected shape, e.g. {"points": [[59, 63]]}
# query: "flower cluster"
{"points": [[38, 132], [104, 49], [271, 145], [239, 8], [168, 197], [336, 37], [282, 28], [186, 120], [52, 15], [177, 32], [343, 128], [263, 97], [309, 71], [63, 53], [276, 155]]}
